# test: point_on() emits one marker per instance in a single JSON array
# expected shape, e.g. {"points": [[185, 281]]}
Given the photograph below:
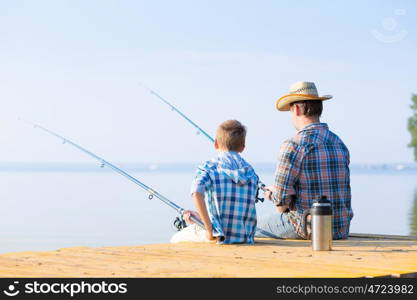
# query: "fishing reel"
{"points": [[259, 199], [179, 223]]}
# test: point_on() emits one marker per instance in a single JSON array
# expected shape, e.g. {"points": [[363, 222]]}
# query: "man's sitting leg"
{"points": [[276, 225]]}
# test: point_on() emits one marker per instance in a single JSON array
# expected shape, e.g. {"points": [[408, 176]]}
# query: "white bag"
{"points": [[191, 233]]}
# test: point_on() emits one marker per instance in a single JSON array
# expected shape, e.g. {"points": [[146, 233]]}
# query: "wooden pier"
{"points": [[360, 256]]}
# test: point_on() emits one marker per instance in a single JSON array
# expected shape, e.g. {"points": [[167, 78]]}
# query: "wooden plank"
{"points": [[267, 258], [383, 236]]}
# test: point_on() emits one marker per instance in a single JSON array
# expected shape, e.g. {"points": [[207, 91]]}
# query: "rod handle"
{"points": [[197, 221]]}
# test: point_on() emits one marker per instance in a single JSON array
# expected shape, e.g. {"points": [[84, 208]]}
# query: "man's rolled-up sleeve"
{"points": [[286, 174]]}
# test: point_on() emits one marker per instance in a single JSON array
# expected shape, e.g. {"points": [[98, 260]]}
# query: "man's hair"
{"points": [[311, 108], [231, 135]]}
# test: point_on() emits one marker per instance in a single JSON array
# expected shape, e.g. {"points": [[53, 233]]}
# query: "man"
{"points": [[313, 163]]}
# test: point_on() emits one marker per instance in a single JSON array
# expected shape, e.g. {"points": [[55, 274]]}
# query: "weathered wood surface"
{"points": [[383, 236], [356, 257]]}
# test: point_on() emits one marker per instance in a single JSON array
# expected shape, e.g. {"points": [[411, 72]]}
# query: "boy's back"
{"points": [[230, 187], [224, 191]]}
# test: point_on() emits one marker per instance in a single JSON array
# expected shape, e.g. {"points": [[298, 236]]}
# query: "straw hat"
{"points": [[300, 91]]}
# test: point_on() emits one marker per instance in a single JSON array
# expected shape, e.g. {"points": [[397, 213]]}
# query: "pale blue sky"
{"points": [[74, 66]]}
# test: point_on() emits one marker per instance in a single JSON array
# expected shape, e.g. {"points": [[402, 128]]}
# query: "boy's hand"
{"points": [[269, 192], [203, 213], [209, 234], [187, 216]]}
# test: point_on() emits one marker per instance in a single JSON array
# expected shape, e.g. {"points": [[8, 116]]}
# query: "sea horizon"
{"points": [[399, 167]]}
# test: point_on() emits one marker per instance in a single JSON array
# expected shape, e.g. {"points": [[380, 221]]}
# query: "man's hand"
{"points": [[187, 216], [282, 209], [269, 193]]}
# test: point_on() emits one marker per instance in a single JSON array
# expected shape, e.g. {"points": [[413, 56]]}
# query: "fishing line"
{"points": [[199, 129], [179, 222]]}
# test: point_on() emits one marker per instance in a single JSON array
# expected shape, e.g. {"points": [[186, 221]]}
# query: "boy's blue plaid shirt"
{"points": [[315, 162], [230, 186]]}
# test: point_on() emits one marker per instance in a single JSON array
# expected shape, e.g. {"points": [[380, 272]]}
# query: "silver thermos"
{"points": [[321, 224]]}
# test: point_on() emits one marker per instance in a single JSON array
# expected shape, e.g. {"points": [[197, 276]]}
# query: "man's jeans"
{"points": [[276, 225]]}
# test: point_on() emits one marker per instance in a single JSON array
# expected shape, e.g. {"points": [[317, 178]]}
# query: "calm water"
{"points": [[50, 210]]}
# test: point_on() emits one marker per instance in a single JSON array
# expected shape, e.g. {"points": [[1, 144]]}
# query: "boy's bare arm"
{"points": [[200, 204]]}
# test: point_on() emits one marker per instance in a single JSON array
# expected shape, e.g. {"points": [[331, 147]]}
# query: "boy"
{"points": [[224, 192]]}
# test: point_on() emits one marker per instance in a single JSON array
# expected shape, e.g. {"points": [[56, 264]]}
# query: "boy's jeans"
{"points": [[276, 225]]}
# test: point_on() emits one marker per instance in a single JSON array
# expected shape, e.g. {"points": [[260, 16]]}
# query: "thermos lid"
{"points": [[321, 206], [321, 201]]}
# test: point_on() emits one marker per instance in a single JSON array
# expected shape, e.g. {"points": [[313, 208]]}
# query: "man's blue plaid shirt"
{"points": [[230, 186], [313, 163]]}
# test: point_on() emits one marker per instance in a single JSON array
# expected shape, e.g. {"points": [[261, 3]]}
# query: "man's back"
{"points": [[319, 163]]}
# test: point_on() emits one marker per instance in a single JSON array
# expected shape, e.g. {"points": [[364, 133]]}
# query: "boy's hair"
{"points": [[311, 108], [231, 135]]}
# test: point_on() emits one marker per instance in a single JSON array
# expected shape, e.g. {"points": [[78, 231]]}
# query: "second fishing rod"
{"points": [[261, 185], [179, 222]]}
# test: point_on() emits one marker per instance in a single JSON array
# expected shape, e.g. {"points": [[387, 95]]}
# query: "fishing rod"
{"points": [[261, 185], [179, 223], [173, 108]]}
